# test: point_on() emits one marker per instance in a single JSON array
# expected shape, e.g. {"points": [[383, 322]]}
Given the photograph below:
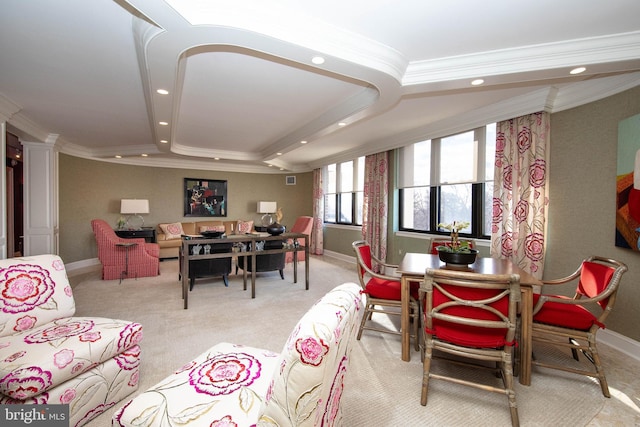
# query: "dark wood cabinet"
{"points": [[146, 233]]}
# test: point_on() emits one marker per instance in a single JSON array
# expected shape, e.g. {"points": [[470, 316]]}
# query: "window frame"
{"points": [[357, 186]]}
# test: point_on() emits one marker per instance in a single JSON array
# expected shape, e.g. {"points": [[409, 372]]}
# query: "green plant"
{"points": [[456, 245]]}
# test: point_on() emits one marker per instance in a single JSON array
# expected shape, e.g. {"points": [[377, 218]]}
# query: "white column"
{"points": [[40, 197]]}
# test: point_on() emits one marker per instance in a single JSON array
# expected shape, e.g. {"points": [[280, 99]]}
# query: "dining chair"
{"points": [[570, 322], [304, 225], [382, 292], [447, 242], [472, 317]]}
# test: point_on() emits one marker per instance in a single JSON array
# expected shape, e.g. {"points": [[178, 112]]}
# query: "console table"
{"points": [[250, 240], [147, 233]]}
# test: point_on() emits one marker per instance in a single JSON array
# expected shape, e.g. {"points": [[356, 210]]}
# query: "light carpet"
{"points": [[381, 389]]}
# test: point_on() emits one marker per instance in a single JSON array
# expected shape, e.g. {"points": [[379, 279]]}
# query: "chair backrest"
{"points": [[447, 242], [599, 279], [307, 387], [363, 259], [33, 291], [303, 224], [106, 238], [471, 309]]}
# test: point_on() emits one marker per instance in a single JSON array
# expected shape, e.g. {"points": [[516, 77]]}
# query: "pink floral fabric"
{"points": [[520, 194], [48, 356], [232, 385], [376, 195]]}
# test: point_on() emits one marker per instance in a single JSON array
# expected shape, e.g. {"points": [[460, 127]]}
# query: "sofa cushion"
{"points": [[33, 293], [244, 227], [172, 231], [223, 386], [75, 344]]}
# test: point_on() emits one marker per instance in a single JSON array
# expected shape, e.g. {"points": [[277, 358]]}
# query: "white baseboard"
{"points": [[79, 266]]}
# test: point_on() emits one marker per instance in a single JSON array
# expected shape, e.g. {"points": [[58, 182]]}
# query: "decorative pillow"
{"points": [[213, 228], [245, 227], [172, 231]]}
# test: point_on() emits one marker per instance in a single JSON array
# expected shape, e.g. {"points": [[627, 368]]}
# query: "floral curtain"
{"points": [[520, 194], [375, 212], [317, 235]]}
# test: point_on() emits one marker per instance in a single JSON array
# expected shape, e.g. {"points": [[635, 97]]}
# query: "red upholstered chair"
{"points": [[382, 291], [304, 225], [570, 322], [447, 242], [143, 258], [473, 316]]}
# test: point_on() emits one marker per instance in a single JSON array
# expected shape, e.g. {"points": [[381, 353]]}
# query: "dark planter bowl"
{"points": [[275, 229], [458, 258]]}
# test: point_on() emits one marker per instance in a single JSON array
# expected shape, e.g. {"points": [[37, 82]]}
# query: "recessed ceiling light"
{"points": [[578, 70], [164, 141], [279, 154], [303, 142], [342, 124], [163, 123], [118, 156], [318, 60], [270, 166], [163, 91], [281, 169], [216, 158], [477, 82], [144, 155]]}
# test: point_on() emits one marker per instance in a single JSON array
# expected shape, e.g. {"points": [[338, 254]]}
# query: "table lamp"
{"points": [[134, 208], [267, 208]]}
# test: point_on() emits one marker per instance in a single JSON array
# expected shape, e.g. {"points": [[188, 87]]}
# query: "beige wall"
{"points": [[92, 189]]}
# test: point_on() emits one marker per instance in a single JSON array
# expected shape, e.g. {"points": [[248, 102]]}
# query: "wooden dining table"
{"points": [[412, 268]]}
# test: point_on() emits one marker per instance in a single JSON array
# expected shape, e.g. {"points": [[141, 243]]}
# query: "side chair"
{"points": [[304, 225], [383, 292], [569, 322], [470, 316]]}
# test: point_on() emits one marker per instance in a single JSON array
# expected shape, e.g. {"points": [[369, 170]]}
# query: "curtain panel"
{"points": [[520, 194], [375, 210], [317, 236]]}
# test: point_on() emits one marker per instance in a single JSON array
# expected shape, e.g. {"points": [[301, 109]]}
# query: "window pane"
{"points": [[455, 204], [331, 179], [490, 151], [359, 206], [415, 208], [346, 177], [488, 208], [360, 185], [458, 158], [330, 208], [345, 207]]}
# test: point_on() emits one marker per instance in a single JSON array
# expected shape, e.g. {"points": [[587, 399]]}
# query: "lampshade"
{"points": [[267, 207], [134, 206]]}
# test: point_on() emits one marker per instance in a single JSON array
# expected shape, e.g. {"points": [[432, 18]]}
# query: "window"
{"points": [[344, 192], [448, 179]]}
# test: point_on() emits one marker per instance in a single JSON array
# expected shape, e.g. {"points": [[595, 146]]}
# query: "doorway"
{"points": [[15, 201]]}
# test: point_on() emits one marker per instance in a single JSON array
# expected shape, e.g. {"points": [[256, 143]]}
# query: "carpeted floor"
{"points": [[381, 389]]}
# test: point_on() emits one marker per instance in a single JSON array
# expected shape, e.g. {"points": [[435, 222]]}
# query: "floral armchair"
{"points": [[141, 260], [234, 385], [49, 357]]}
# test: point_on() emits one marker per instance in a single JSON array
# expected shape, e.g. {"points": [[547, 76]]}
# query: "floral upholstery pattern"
{"points": [[48, 356], [234, 385]]}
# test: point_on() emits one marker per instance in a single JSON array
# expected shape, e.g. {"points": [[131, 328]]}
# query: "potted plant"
{"points": [[456, 252]]}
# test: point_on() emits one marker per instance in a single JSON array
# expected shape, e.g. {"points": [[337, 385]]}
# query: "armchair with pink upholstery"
{"points": [[47, 356], [304, 225], [143, 258]]}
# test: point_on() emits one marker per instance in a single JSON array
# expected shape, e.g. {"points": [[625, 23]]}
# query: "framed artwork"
{"points": [[291, 180], [205, 197], [628, 184]]}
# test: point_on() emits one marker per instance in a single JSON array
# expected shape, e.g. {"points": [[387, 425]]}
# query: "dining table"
{"points": [[412, 269]]}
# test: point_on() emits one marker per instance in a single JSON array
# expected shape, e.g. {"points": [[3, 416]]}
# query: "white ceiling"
{"points": [[242, 88]]}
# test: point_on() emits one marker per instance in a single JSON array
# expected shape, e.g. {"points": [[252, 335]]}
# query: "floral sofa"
{"points": [[235, 385], [168, 234], [49, 357]]}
